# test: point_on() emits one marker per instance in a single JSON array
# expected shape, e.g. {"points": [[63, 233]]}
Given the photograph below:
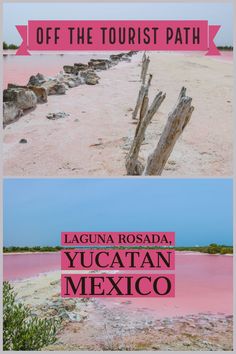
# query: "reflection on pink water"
{"points": [[204, 283]]}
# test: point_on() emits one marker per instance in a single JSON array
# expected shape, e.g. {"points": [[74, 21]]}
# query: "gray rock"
{"points": [[131, 53], [91, 80], [99, 64], [23, 141], [69, 69], [74, 317], [69, 305], [115, 58], [90, 77], [58, 115], [70, 83], [23, 98], [40, 92], [63, 314], [54, 87], [40, 77], [11, 112], [55, 282], [36, 80], [74, 69], [80, 67], [70, 80]]}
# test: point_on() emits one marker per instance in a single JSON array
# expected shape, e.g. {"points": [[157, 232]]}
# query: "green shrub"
{"points": [[213, 248], [12, 46], [5, 46], [225, 250], [21, 330]]}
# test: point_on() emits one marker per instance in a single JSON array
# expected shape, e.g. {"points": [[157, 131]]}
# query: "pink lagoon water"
{"points": [[26, 265], [204, 283], [18, 69]]}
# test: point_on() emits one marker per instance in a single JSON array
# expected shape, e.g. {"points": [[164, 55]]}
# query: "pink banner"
{"points": [[117, 285], [138, 259], [118, 35], [126, 239]]}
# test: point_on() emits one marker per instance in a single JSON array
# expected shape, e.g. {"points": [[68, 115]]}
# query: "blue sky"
{"points": [[215, 13], [37, 210]]}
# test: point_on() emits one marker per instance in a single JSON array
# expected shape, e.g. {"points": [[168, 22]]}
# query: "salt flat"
{"points": [[94, 139]]}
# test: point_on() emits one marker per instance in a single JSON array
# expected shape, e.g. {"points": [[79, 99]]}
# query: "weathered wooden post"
{"points": [[143, 88], [133, 165], [176, 123], [143, 60], [139, 101], [142, 93], [144, 104], [145, 69]]}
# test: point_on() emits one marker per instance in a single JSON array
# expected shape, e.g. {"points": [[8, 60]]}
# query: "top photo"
{"points": [[119, 113]]}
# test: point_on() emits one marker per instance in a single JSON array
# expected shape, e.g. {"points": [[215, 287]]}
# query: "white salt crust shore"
{"points": [[94, 139], [89, 324]]}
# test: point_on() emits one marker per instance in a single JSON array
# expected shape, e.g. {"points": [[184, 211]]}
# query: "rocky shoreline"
{"points": [[18, 99], [89, 324]]}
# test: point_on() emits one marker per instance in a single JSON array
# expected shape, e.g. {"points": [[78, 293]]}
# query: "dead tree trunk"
{"points": [[133, 165], [177, 121]]}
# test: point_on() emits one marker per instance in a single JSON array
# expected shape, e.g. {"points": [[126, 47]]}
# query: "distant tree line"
{"points": [[14, 249], [225, 47], [13, 46], [9, 46], [213, 248]]}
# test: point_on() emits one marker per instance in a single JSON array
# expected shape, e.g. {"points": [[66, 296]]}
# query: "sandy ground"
{"points": [[94, 139], [88, 324]]}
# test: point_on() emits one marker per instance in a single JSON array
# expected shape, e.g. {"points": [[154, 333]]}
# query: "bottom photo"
{"points": [[118, 264]]}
